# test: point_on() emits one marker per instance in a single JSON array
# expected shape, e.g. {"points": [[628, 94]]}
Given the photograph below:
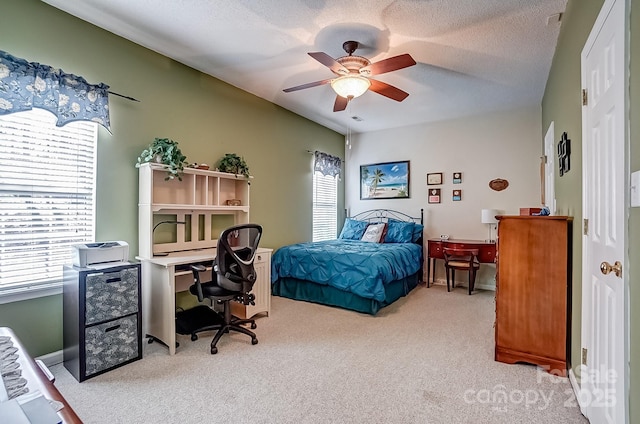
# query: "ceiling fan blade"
{"points": [[307, 85], [340, 104], [388, 65], [329, 62], [387, 90]]}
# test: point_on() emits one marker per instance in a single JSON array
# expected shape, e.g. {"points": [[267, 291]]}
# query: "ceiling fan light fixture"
{"points": [[350, 86]]}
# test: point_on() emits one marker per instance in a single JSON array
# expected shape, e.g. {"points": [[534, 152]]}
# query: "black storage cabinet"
{"points": [[102, 320]]}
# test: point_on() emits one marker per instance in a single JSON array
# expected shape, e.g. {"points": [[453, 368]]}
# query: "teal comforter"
{"points": [[355, 266]]}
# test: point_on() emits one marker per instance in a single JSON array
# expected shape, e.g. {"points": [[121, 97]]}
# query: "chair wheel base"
{"points": [[214, 350], [253, 326], [254, 341]]}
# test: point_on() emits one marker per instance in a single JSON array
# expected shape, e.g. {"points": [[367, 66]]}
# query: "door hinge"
{"points": [[585, 226], [584, 356], [584, 97]]}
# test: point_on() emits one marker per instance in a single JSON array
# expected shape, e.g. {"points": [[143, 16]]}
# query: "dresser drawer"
{"points": [[435, 249], [110, 344], [110, 295], [487, 256]]}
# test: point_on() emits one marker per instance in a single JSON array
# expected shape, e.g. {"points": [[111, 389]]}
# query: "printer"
{"points": [[109, 252]]}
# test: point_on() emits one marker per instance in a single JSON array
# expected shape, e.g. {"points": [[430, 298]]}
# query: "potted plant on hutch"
{"points": [[166, 152], [233, 164]]}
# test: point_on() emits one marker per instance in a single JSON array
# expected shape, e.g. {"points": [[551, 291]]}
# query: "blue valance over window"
{"points": [[25, 85], [327, 164]]}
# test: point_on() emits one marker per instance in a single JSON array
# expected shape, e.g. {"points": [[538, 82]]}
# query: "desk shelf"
{"points": [[197, 198], [168, 208], [197, 188]]}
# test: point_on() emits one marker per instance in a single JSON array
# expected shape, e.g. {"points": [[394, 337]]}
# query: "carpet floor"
{"points": [[428, 358]]}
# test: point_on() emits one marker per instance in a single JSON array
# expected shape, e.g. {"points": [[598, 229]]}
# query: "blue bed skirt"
{"points": [[308, 291]]}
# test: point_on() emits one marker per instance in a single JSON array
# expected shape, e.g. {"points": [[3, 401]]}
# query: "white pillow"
{"points": [[374, 233]]}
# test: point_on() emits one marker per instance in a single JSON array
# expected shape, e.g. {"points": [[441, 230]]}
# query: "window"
{"points": [[325, 206], [47, 198]]}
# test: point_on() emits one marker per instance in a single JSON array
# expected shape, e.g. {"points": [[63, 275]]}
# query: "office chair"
{"points": [[233, 277], [461, 259]]}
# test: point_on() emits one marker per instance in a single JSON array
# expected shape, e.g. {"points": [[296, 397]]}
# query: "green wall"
{"points": [[562, 104], [206, 116]]}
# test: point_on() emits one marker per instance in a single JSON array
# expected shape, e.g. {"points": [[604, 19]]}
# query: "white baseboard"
{"points": [[576, 389], [53, 358], [441, 282], [486, 287]]}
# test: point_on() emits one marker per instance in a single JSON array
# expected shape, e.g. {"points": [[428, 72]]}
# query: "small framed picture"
{"points": [[434, 195], [457, 177], [434, 178], [457, 195]]}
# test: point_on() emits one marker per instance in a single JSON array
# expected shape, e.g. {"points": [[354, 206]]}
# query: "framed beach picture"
{"points": [[457, 177], [457, 195], [388, 180]]}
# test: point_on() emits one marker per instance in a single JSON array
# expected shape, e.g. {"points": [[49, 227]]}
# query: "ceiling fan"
{"points": [[353, 74]]}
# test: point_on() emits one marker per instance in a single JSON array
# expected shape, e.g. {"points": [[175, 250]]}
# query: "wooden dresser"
{"points": [[533, 291]]}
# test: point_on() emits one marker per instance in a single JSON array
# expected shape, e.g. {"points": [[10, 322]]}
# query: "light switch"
{"points": [[635, 189]]}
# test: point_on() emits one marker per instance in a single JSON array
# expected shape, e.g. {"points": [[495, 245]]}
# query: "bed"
{"points": [[376, 260]]}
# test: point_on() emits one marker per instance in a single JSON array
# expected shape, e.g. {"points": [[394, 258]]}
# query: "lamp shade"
{"points": [[489, 216], [350, 86]]}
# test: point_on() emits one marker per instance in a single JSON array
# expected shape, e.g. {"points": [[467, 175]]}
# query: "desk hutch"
{"points": [[193, 203]]}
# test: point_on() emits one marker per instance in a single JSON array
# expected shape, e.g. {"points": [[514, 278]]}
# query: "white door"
{"points": [[549, 170], [604, 319]]}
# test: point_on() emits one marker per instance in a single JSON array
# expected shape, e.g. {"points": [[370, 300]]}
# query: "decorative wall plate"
{"points": [[498, 184]]}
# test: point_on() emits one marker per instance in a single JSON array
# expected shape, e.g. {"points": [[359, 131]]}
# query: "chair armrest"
{"points": [[198, 268]]}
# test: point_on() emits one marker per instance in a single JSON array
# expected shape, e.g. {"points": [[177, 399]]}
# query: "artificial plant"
{"points": [[233, 164], [166, 152]]}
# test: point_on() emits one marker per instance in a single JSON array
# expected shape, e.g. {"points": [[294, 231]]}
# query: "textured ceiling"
{"points": [[473, 56]]}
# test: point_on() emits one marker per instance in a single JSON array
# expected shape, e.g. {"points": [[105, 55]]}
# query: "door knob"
{"points": [[606, 267]]}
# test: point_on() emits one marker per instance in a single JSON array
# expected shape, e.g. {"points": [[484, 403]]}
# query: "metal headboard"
{"points": [[382, 215]]}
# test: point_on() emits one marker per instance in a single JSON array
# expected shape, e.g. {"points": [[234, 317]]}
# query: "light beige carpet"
{"points": [[428, 358]]}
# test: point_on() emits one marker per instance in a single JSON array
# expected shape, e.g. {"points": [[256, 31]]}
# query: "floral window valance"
{"points": [[25, 85], [327, 164]]}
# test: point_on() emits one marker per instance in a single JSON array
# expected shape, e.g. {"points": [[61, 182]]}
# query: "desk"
{"points": [[487, 254], [163, 276]]}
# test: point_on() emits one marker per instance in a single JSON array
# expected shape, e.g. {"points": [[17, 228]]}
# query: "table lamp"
{"points": [[489, 217]]}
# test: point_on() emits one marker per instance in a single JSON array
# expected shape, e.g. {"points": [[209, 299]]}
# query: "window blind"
{"points": [[47, 196], [325, 206]]}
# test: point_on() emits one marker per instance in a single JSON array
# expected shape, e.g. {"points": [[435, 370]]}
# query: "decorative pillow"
{"points": [[399, 232], [417, 232], [353, 229], [374, 233], [417, 229]]}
